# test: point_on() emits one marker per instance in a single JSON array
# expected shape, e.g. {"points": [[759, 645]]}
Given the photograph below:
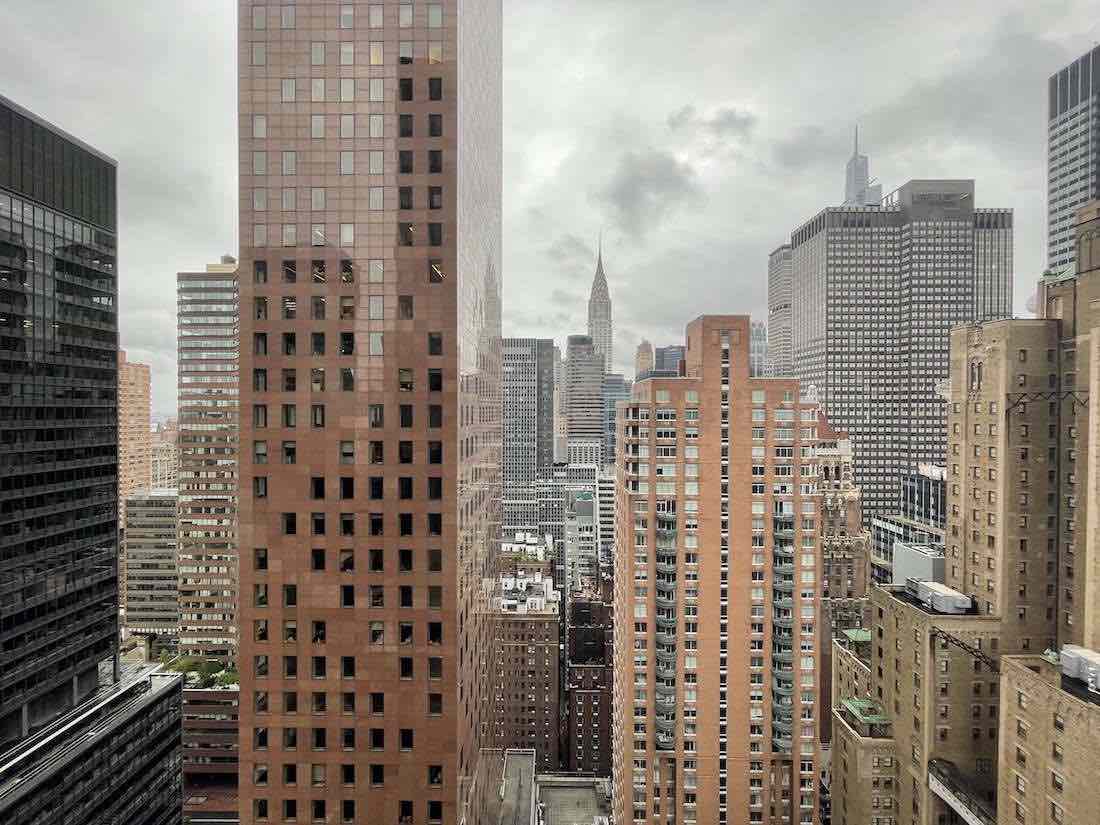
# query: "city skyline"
{"points": [[177, 202]]}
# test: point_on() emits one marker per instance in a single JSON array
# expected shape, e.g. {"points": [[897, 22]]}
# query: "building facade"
{"points": [[584, 404], [875, 293], [601, 328], [527, 415], [1073, 157], [152, 562], [59, 381], [589, 662], [716, 709], [667, 360], [370, 284], [209, 406], [527, 616], [779, 312]]}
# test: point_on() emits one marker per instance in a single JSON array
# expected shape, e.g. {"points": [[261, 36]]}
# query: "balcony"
{"points": [[783, 621], [782, 687], [666, 567], [783, 585], [665, 741], [781, 744], [665, 599]]}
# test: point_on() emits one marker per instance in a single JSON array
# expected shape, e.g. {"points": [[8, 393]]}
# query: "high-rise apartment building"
{"points": [[135, 468], [59, 385], [1073, 157], [370, 141], [779, 312], [165, 464], [643, 359], [600, 327], [525, 672], [717, 593], [584, 404], [758, 349], [875, 293], [152, 564], [615, 389], [581, 541], [209, 387]]}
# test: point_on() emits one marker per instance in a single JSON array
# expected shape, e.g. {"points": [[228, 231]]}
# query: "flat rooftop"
{"points": [[857, 634], [517, 787], [572, 800], [866, 711]]}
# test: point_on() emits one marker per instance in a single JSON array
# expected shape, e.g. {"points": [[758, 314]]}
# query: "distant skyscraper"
{"points": [[643, 359], [59, 386], [209, 435], [667, 360], [758, 349], [858, 189], [1073, 153], [600, 327], [135, 466], [584, 405], [779, 311], [876, 291], [527, 397]]}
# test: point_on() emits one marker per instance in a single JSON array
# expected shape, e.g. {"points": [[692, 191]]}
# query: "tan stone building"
{"points": [[370, 362], [1050, 735], [865, 769], [718, 566], [1019, 460], [164, 457], [134, 428], [643, 359]]}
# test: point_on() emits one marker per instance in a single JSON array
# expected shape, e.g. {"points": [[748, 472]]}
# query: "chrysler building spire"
{"points": [[599, 313]]}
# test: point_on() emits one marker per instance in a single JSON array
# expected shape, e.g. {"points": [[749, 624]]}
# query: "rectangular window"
{"points": [[347, 164], [376, 53], [347, 126], [347, 89], [317, 54], [287, 90], [347, 54]]}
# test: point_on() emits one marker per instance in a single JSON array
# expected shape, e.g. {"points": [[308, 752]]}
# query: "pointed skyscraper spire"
{"points": [[599, 310]]}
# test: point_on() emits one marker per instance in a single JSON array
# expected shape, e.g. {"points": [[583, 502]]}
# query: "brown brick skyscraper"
{"points": [[370, 151], [718, 586]]}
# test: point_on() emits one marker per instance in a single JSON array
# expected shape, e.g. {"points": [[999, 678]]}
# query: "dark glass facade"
{"points": [[58, 420], [117, 759]]}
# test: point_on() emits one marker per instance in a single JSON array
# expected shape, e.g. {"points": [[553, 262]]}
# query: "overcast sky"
{"points": [[697, 133]]}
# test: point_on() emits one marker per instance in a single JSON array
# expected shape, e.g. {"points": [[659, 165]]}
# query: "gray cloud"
{"points": [[645, 188], [725, 122]]}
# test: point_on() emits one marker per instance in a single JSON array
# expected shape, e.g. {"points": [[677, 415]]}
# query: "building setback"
{"points": [[370, 146], [716, 709], [875, 293], [208, 309], [59, 469], [919, 519], [1073, 156]]}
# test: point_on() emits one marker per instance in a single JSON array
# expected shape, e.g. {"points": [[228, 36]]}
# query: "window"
{"points": [[435, 88], [405, 89], [376, 90], [374, 196], [347, 89], [405, 52], [347, 16], [435, 343], [376, 53], [259, 54], [435, 125], [435, 161], [259, 126], [317, 90], [286, 18], [347, 167], [287, 91], [435, 197], [405, 15], [347, 53]]}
